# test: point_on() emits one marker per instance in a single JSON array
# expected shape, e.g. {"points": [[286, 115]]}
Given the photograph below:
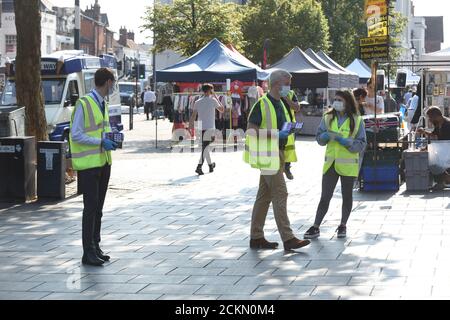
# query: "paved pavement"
{"points": [[173, 235]]}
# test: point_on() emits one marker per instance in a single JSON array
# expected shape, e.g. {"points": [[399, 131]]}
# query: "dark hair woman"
{"points": [[360, 96], [342, 131]]}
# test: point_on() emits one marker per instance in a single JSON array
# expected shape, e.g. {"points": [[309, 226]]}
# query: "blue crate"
{"points": [[384, 173], [380, 186]]}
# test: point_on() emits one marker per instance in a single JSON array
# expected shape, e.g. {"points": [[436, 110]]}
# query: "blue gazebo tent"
{"points": [[213, 63]]}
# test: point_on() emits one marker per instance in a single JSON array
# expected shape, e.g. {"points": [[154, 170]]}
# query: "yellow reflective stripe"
{"points": [[342, 161], [88, 109], [79, 155]]}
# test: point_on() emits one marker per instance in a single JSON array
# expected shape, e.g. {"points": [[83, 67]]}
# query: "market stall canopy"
{"points": [[306, 72], [353, 78], [345, 77], [434, 57], [262, 74], [213, 63], [361, 69]]}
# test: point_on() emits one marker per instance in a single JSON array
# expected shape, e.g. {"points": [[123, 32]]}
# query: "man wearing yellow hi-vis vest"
{"points": [[342, 131], [291, 101], [266, 145], [91, 157]]}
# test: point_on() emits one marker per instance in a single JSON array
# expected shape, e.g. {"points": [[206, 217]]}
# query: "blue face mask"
{"points": [[284, 92]]}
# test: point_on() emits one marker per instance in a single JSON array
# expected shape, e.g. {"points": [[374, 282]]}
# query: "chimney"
{"points": [[123, 36], [96, 8], [130, 35]]}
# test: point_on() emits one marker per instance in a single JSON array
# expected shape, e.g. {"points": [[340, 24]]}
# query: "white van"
{"points": [[66, 76]]}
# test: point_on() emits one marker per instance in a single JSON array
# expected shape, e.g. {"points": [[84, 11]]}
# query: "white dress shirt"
{"points": [[78, 134]]}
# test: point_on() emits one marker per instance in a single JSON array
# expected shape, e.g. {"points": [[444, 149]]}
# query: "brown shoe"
{"points": [[295, 244], [263, 244]]}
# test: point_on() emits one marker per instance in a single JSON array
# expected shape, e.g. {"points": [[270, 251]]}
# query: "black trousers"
{"points": [[329, 183], [94, 185]]}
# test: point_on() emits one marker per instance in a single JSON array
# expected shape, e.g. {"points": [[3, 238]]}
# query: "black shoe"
{"points": [[312, 233], [263, 244], [101, 254], [288, 173], [212, 167], [91, 259], [342, 232], [199, 171]]}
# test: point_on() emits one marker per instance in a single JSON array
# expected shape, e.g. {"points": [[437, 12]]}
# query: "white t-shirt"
{"points": [[206, 109], [380, 105]]}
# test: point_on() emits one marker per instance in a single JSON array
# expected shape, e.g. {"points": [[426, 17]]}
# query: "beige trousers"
{"points": [[272, 189]]}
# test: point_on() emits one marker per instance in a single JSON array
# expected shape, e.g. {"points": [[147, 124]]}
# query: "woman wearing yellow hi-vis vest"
{"points": [[91, 157], [291, 101], [342, 131], [265, 149]]}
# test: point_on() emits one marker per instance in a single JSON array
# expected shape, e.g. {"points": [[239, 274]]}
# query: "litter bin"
{"points": [[18, 168], [12, 122], [51, 168]]}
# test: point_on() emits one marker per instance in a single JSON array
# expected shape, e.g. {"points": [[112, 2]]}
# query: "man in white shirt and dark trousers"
{"points": [[149, 103], [205, 108], [91, 157]]}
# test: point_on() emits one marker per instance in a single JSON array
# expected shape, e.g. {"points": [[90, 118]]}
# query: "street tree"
{"points": [[188, 25], [285, 24], [28, 67], [347, 25]]}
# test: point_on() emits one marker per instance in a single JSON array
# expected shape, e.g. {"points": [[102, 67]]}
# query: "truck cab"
{"points": [[66, 76]]}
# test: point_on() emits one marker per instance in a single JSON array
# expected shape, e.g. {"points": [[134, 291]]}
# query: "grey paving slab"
{"points": [[297, 290], [63, 287], [18, 285], [129, 296], [20, 295], [115, 288], [58, 296], [175, 289], [212, 280], [227, 289], [159, 279]]}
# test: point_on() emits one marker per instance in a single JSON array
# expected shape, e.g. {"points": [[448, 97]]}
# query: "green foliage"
{"points": [[347, 26], [188, 25], [285, 24]]}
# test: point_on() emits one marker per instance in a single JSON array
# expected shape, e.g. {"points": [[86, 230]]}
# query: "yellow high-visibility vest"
{"points": [[95, 123], [263, 152], [346, 163]]}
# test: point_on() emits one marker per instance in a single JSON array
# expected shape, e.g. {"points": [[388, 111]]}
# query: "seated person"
{"points": [[441, 132]]}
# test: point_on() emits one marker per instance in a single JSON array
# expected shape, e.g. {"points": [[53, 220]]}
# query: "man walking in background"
{"points": [[205, 108], [149, 103]]}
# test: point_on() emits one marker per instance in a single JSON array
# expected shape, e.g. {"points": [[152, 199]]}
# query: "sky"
{"points": [[436, 8], [135, 10]]}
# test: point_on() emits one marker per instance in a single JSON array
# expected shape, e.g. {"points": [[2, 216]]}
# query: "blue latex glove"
{"points": [[284, 134], [109, 145], [344, 142], [325, 137]]}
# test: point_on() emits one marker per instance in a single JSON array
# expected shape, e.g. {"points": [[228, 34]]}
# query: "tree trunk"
{"points": [[28, 67]]}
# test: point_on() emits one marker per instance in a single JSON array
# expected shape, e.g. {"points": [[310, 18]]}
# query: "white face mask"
{"points": [[284, 92], [339, 106]]}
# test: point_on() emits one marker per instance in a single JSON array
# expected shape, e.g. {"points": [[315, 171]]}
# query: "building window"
{"points": [[49, 44], [10, 43]]}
